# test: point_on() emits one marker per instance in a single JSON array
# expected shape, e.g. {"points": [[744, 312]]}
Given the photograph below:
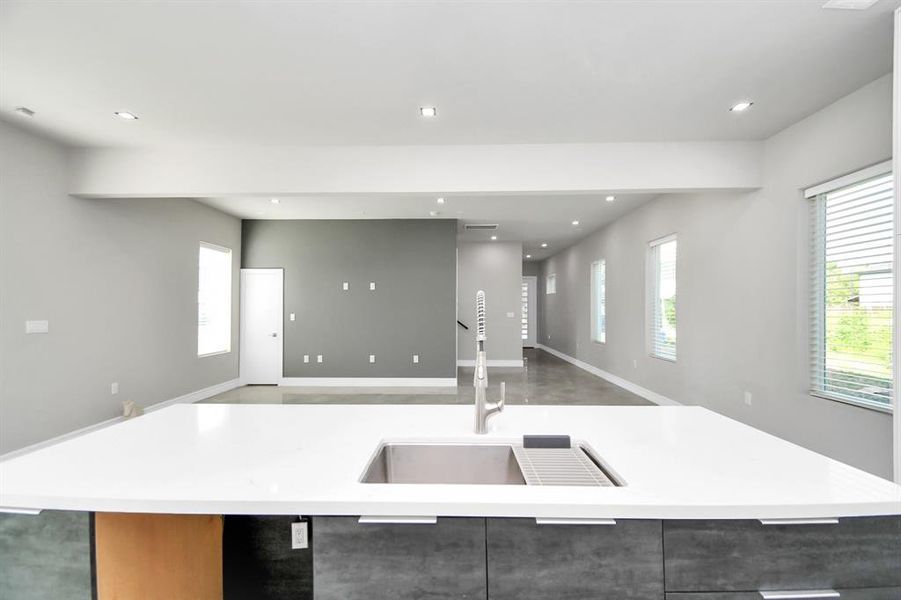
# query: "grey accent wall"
{"points": [[742, 290], [496, 268], [531, 267], [117, 279], [411, 311]]}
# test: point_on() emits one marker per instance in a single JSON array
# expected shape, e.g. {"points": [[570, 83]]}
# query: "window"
{"points": [[524, 310], [214, 300], [551, 287], [599, 301], [662, 298], [852, 279]]}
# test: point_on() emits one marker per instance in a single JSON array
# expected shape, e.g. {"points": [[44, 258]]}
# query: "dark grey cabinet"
{"points": [[356, 561], [527, 561], [893, 593], [748, 555]]}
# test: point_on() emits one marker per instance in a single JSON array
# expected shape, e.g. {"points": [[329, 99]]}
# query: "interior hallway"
{"points": [[545, 379]]}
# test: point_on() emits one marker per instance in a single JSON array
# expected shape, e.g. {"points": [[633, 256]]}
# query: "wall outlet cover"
{"points": [[749, 398], [415, 359], [319, 358], [37, 327], [345, 286], [114, 388], [306, 358], [511, 315], [300, 535], [372, 286], [372, 358], [291, 316]]}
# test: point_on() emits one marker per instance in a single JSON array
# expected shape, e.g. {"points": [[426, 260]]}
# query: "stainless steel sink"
{"points": [[484, 464]]}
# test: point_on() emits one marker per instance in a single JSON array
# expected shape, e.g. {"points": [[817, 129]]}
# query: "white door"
{"points": [[261, 325], [529, 310]]}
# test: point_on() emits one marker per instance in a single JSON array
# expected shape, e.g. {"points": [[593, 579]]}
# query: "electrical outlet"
{"points": [[306, 358], [510, 315], [300, 535], [749, 398], [372, 358], [634, 364], [291, 316], [345, 286], [415, 359], [371, 286], [319, 358], [114, 388], [37, 327]]}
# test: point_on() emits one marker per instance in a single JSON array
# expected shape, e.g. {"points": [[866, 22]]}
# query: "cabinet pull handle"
{"points": [[12, 510], [800, 594], [401, 519], [826, 521], [566, 521]]}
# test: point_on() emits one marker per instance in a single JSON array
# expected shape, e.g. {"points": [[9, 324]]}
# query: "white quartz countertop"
{"points": [[677, 462]]}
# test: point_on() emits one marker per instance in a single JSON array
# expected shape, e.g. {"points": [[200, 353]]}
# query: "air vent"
{"points": [[480, 227]]}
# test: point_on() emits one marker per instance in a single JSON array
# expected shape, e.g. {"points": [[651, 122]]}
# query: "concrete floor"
{"points": [[545, 379]]}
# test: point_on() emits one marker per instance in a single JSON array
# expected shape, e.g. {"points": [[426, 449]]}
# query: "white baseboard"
{"points": [[645, 393], [368, 381], [491, 363], [189, 398]]}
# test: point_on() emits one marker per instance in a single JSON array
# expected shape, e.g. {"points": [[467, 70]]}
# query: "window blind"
{"points": [[214, 299], [551, 284], [662, 298], [524, 310], [852, 299], [598, 301]]}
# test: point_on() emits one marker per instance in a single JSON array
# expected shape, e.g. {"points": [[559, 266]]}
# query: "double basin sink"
{"points": [[486, 464]]}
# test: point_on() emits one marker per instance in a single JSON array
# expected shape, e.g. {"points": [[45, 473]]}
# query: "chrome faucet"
{"points": [[484, 409]]}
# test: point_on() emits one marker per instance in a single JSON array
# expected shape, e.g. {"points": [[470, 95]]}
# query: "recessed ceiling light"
{"points": [[274, 200], [24, 111], [575, 222], [126, 115], [544, 244], [528, 256], [440, 201], [742, 106], [610, 198], [494, 237], [428, 111]]}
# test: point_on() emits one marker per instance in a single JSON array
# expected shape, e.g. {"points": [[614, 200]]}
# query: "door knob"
{"points": [[274, 334]]}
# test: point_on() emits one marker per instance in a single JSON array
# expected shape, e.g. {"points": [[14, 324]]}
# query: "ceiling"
{"points": [[531, 219], [355, 73]]}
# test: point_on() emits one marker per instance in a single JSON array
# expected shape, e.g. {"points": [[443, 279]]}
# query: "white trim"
{"points": [[896, 418], [368, 382], [663, 240], [188, 398], [645, 393], [466, 362], [849, 179]]}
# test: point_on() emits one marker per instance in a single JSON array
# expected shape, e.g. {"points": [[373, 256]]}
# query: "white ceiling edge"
{"points": [[610, 167]]}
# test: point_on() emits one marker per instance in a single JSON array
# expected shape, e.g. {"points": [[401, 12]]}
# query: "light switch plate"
{"points": [[319, 358], [114, 388], [306, 358], [300, 535], [345, 286], [37, 327], [291, 316], [372, 286], [415, 359], [372, 358]]}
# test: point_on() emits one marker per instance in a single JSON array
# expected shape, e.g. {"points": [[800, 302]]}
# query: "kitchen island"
{"points": [[707, 507]]}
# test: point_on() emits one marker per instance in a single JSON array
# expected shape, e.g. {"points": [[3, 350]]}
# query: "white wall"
{"points": [[496, 268], [742, 289], [118, 283], [410, 169]]}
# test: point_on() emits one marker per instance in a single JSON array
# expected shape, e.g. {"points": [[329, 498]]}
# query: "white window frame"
{"points": [[593, 301], [550, 284], [817, 293], [227, 349], [651, 294]]}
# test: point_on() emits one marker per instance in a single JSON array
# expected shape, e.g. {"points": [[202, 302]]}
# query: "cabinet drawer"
{"points": [[748, 555], [889, 593], [365, 561], [527, 561]]}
